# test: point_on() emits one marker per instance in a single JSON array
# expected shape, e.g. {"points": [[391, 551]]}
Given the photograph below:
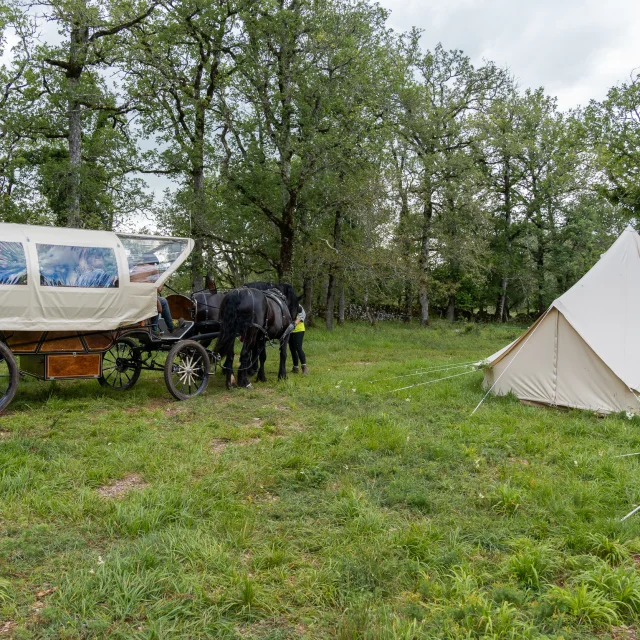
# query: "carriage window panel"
{"points": [[83, 267], [149, 258], [13, 263]]}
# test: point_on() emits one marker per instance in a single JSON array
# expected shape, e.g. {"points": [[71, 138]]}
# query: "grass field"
{"points": [[322, 507]]}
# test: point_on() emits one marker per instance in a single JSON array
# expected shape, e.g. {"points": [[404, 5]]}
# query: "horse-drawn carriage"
{"points": [[77, 304]]}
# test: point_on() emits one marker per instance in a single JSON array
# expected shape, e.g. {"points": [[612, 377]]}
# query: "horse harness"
{"points": [[277, 296]]}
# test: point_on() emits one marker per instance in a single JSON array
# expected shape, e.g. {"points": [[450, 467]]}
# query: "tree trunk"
{"points": [[286, 246], [502, 298], [77, 45], [370, 315], [337, 236], [74, 216], [328, 312], [197, 225], [424, 256], [408, 301], [500, 314], [540, 276], [308, 299], [341, 304], [199, 201], [451, 308], [405, 240]]}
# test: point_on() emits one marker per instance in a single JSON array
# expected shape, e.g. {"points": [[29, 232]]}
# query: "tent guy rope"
{"points": [[421, 372], [630, 513], [421, 384]]}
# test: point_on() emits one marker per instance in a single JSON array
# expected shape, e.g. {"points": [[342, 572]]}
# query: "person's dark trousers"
{"points": [[295, 345], [166, 315]]}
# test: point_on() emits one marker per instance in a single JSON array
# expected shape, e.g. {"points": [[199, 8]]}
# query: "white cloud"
{"points": [[576, 49]]}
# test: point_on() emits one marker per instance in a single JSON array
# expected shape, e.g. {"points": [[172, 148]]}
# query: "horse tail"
{"points": [[234, 321]]}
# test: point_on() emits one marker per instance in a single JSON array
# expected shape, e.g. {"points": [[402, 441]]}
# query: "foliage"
{"points": [[307, 140], [613, 128], [308, 509]]}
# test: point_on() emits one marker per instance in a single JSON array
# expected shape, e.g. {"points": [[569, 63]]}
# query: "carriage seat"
{"points": [[180, 307], [178, 333]]}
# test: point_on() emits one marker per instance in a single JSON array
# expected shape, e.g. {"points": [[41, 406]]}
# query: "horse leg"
{"points": [[253, 368], [263, 359], [228, 368], [245, 362], [282, 372]]}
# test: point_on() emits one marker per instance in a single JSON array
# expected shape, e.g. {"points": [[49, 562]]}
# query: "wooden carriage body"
{"points": [[59, 355], [66, 295]]}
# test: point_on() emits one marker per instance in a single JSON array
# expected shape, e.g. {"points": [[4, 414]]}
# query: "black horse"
{"points": [[285, 288], [255, 316], [207, 309], [292, 303]]}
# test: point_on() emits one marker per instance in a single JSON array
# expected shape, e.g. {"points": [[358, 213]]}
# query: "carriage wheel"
{"points": [[121, 365], [186, 370], [9, 376]]}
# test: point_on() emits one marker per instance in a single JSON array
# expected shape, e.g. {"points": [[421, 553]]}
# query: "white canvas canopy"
{"points": [[58, 279], [585, 351]]}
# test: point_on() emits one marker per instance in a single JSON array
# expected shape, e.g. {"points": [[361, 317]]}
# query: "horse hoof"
{"points": [[249, 386]]}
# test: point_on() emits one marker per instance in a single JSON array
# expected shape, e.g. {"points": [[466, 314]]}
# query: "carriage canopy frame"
{"points": [[60, 279]]}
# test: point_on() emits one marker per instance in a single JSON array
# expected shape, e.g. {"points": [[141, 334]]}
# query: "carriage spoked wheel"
{"points": [[9, 376], [121, 365], [186, 371]]}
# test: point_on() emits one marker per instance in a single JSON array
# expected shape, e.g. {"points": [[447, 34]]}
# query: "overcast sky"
{"points": [[576, 49]]}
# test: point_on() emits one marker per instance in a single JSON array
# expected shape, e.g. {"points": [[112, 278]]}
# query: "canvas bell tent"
{"points": [[584, 352]]}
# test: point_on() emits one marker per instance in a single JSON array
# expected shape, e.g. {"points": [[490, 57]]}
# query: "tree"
{"points": [[613, 129], [442, 89], [91, 30], [551, 161], [500, 146], [404, 173], [178, 67], [306, 72], [14, 100]]}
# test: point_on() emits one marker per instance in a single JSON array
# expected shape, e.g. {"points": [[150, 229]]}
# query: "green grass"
{"points": [[321, 507]]}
